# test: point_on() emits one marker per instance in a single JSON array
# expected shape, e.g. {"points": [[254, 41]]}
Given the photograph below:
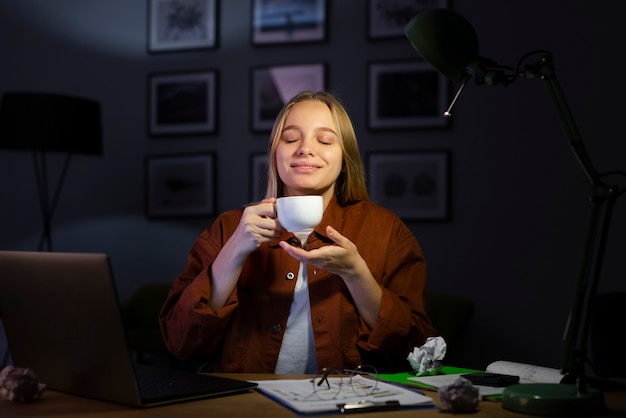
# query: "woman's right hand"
{"points": [[258, 224]]}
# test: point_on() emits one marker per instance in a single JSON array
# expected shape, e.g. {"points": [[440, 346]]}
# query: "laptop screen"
{"points": [[62, 319]]}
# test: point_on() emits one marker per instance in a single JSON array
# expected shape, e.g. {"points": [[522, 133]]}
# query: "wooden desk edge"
{"points": [[57, 404]]}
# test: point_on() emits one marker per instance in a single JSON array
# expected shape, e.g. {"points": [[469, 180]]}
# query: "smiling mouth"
{"points": [[304, 166]]}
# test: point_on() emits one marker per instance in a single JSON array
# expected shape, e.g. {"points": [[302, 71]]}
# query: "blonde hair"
{"points": [[350, 185]]}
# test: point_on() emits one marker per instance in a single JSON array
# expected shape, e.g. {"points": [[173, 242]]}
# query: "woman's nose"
{"points": [[306, 147]]}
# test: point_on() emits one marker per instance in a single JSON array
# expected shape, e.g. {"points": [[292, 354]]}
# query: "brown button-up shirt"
{"points": [[245, 335]]}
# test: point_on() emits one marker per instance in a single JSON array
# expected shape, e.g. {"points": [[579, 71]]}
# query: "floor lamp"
{"points": [[449, 43], [43, 123]]}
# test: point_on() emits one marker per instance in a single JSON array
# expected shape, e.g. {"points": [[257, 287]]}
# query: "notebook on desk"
{"points": [[62, 319]]}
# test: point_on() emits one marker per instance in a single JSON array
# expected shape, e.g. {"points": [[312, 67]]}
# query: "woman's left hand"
{"points": [[342, 259]]}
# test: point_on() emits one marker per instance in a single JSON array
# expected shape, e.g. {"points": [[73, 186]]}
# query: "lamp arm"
{"points": [[603, 197], [566, 118]]}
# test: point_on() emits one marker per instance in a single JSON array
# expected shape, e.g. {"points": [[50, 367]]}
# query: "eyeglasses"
{"points": [[333, 383]]}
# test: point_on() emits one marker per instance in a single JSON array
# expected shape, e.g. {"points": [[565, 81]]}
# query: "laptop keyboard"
{"points": [[160, 384], [157, 387], [150, 388]]}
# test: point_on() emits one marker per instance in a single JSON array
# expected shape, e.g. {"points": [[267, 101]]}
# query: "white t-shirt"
{"points": [[297, 352]]}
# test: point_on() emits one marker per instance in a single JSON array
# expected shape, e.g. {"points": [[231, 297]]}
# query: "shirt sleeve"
{"points": [[190, 328], [402, 322]]}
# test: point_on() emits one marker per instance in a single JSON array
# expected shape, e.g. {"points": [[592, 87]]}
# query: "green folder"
{"points": [[403, 378]]}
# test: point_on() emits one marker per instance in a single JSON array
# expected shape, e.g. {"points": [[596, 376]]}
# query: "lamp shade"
{"points": [[446, 40], [50, 122]]}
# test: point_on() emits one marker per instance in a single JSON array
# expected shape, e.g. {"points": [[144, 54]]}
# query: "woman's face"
{"points": [[309, 156]]}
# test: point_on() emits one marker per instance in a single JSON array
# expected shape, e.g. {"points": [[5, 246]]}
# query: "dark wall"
{"points": [[519, 201]]}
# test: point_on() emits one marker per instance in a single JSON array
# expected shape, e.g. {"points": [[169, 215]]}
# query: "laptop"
{"points": [[62, 319]]}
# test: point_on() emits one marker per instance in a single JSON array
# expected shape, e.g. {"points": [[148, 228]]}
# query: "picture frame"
{"points": [[180, 185], [413, 184], [179, 25], [405, 95], [182, 103], [387, 19], [258, 176], [273, 86], [290, 22]]}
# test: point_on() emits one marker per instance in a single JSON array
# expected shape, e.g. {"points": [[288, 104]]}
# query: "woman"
{"points": [[252, 298]]}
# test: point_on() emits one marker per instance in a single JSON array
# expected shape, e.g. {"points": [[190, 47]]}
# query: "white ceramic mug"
{"points": [[299, 213]]}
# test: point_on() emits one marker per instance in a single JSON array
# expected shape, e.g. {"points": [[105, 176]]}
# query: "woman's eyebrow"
{"points": [[290, 127], [325, 129], [296, 128]]}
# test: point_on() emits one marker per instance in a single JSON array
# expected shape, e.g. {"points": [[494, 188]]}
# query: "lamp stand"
{"points": [[577, 398], [47, 205]]}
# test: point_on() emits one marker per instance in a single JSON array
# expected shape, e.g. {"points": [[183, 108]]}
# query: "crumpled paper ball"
{"points": [[20, 384], [427, 359], [459, 396]]}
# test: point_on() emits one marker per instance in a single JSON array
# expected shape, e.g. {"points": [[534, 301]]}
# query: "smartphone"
{"points": [[491, 379]]}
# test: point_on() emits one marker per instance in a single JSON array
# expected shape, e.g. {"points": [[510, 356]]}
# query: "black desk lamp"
{"points": [[42, 122], [449, 43]]}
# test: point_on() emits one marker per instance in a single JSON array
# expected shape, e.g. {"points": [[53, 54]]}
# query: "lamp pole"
{"points": [[46, 203], [603, 197]]}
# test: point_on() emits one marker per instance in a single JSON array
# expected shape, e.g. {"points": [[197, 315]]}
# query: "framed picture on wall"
{"points": [[273, 86], [176, 25], [182, 103], [286, 22], [387, 19], [414, 184], [405, 94], [180, 185], [258, 176]]}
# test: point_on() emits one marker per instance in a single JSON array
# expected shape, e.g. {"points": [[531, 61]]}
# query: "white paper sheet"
{"points": [[298, 394]]}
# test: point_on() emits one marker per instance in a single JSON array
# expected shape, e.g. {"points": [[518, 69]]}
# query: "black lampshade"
{"points": [[50, 122], [446, 40]]}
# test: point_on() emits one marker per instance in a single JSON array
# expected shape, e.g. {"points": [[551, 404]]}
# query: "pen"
{"points": [[368, 406]]}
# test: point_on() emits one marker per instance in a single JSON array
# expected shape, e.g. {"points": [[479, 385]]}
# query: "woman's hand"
{"points": [[344, 260], [258, 224]]}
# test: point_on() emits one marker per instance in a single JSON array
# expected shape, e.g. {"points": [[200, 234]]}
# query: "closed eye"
{"points": [[290, 135]]}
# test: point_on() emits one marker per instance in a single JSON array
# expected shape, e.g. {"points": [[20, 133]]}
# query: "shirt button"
{"points": [[290, 276], [277, 327], [293, 241]]}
